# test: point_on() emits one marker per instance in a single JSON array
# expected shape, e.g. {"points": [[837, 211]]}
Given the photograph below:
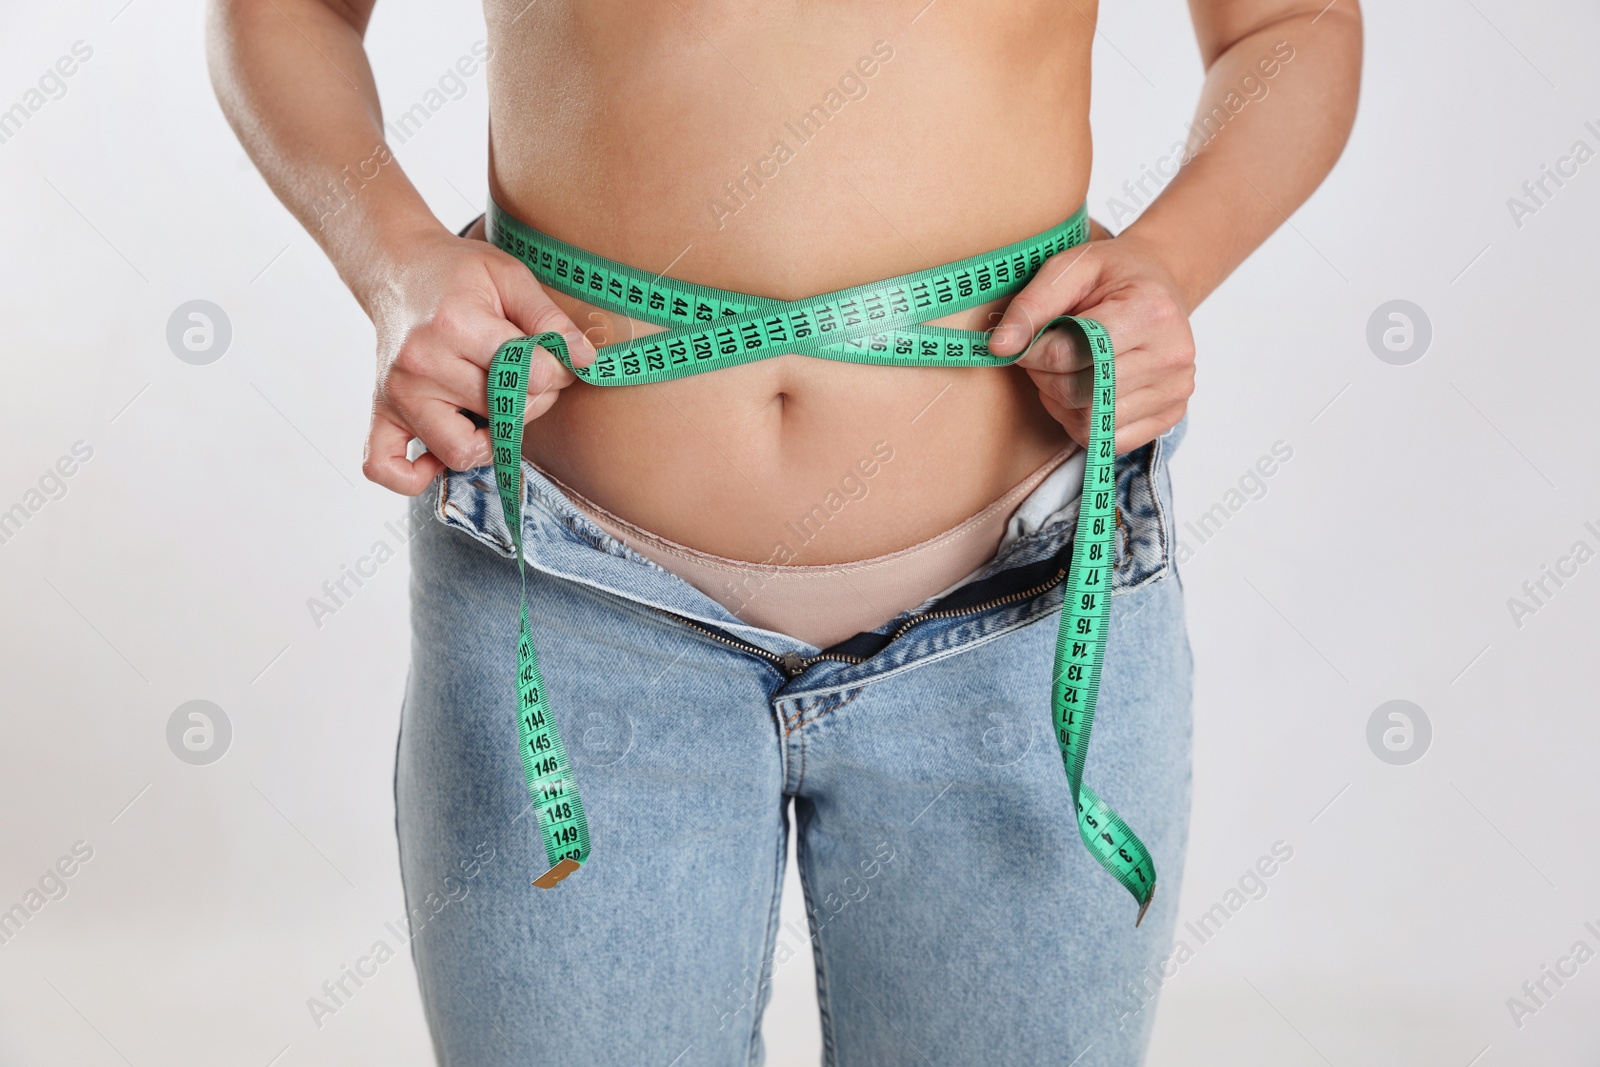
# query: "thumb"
{"points": [[527, 306], [1065, 281]]}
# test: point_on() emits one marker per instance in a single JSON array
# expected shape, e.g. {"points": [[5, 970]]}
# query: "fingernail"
{"points": [[1005, 335], [578, 346]]}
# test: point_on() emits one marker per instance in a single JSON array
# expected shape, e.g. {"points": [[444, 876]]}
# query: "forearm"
{"points": [[294, 81], [1251, 165]]}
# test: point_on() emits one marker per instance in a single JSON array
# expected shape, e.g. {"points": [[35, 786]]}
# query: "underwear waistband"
{"points": [[823, 604]]}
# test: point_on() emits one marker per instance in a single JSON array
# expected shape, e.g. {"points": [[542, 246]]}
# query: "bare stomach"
{"points": [[903, 146]]}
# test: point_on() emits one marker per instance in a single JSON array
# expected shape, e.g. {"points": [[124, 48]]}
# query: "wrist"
{"points": [[368, 218], [1167, 254], [380, 253]]}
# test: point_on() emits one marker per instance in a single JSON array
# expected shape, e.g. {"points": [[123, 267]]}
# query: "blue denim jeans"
{"points": [[955, 917]]}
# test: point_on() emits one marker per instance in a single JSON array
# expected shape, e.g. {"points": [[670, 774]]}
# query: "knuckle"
{"points": [[1024, 313], [542, 375], [1076, 356], [1181, 351], [1058, 265], [548, 318], [1161, 311], [413, 358], [458, 455], [1048, 354], [402, 406], [450, 319]]}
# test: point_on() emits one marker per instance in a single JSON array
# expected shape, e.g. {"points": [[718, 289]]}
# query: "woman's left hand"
{"points": [[1121, 283]]}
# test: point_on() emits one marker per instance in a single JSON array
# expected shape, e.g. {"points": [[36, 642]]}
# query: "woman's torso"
{"points": [[786, 150]]}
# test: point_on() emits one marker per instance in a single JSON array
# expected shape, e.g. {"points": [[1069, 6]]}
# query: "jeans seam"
{"points": [[829, 1057], [779, 855], [800, 720], [784, 759], [800, 781], [1151, 472], [399, 844]]}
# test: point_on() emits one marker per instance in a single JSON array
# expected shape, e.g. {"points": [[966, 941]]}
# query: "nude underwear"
{"points": [[826, 603]]}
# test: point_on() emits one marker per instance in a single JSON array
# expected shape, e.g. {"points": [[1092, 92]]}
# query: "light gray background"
{"points": [[1378, 566]]}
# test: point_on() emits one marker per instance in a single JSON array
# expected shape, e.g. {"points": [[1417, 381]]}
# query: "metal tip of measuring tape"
{"points": [[550, 878], [1144, 908]]}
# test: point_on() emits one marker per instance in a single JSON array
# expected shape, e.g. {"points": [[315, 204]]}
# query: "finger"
{"points": [[1069, 390], [525, 303], [1072, 420], [1137, 370], [467, 328], [1131, 409], [450, 435], [451, 364], [547, 376], [1061, 284], [441, 376], [539, 403], [1059, 351], [1141, 432], [1136, 434], [1150, 327], [385, 460]]}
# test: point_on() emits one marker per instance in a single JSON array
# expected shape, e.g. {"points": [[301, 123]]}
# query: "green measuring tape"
{"points": [[882, 323]]}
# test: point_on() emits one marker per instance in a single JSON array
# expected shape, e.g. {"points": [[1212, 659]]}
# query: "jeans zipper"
{"points": [[793, 664]]}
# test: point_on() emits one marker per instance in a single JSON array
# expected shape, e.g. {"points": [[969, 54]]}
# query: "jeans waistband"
{"points": [[561, 541]]}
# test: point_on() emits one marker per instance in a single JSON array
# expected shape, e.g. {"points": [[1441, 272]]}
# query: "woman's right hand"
{"points": [[440, 318]]}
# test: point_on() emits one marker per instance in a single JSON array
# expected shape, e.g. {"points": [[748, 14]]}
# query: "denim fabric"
{"points": [[955, 916]]}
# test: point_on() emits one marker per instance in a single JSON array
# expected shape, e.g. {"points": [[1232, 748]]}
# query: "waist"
{"points": [[720, 462], [724, 462]]}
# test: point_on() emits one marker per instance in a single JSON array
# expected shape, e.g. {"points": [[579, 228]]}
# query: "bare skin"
{"points": [[617, 125]]}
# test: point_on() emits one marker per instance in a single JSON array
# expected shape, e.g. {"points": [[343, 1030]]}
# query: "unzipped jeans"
{"points": [[955, 917]]}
